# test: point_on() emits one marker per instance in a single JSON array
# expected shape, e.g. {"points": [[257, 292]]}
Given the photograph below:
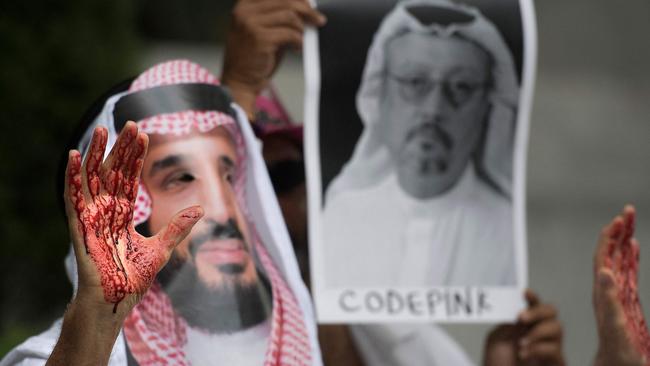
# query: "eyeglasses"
{"points": [[457, 90]]}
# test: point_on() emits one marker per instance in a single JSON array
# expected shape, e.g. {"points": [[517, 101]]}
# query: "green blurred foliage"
{"points": [[56, 58]]}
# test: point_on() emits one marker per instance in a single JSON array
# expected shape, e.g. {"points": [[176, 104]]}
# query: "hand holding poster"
{"points": [[416, 144]]}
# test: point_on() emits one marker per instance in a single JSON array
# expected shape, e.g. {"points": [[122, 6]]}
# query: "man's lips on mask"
{"points": [[222, 251]]}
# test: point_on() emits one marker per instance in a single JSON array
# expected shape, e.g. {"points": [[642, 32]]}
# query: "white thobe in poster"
{"points": [[380, 236], [407, 345]]}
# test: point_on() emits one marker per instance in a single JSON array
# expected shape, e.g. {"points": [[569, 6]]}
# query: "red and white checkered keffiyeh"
{"points": [[155, 334]]}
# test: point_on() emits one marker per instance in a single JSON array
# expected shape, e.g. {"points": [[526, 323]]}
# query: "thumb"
{"points": [[179, 227]]}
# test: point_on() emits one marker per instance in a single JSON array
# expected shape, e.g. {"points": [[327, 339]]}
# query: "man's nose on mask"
{"points": [[218, 201]]}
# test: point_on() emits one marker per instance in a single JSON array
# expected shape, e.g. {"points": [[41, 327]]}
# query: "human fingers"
{"points": [[302, 8], [635, 254], [308, 13], [537, 313], [285, 36], [619, 249], [623, 269], [178, 228], [134, 165], [282, 18], [532, 299], [75, 203], [113, 167], [629, 217], [607, 243], [623, 253], [548, 330], [93, 162], [544, 353], [73, 195]]}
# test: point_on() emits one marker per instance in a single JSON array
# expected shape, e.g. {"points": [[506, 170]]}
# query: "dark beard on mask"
{"points": [[230, 308]]}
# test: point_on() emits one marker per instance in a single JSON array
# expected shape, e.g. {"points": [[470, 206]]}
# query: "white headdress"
{"points": [[370, 161]]}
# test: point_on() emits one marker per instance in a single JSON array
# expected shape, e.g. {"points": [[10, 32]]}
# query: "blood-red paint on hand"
{"points": [[623, 259], [102, 195]]}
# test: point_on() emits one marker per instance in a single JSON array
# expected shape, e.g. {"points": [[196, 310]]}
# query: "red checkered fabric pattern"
{"points": [[155, 334], [173, 72], [289, 342]]}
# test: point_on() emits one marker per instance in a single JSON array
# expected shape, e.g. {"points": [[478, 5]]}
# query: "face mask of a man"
{"points": [[211, 279]]}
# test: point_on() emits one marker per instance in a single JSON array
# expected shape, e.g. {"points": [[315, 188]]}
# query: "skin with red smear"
{"points": [[102, 195], [623, 335], [623, 260]]}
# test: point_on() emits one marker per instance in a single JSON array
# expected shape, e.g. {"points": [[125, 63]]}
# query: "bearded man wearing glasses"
{"points": [[425, 199]]}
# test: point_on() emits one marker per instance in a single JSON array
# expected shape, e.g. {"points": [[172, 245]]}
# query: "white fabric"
{"points": [[370, 159], [271, 227], [407, 345], [378, 345], [464, 237], [245, 348]]}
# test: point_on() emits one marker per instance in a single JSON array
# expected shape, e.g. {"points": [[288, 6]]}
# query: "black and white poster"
{"points": [[416, 125]]}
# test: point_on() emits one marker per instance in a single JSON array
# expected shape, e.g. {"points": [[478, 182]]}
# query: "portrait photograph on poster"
{"points": [[416, 125]]}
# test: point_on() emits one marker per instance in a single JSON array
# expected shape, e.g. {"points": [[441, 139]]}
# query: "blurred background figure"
{"points": [[588, 142], [282, 148], [623, 337]]}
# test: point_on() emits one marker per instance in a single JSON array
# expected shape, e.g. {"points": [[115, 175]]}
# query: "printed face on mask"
{"points": [[212, 271], [433, 110], [199, 169]]}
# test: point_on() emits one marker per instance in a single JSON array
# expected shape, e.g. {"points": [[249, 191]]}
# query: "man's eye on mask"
{"points": [[177, 180]]}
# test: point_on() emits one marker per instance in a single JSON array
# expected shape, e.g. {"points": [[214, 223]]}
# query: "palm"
{"points": [[102, 197], [620, 317], [126, 261]]}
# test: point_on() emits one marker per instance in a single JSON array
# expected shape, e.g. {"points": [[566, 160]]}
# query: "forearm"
{"points": [[242, 94], [87, 335]]}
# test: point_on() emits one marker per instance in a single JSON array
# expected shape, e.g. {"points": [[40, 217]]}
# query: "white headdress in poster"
{"points": [[370, 161]]}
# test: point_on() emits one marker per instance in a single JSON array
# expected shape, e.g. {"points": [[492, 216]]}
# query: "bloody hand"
{"points": [[100, 197], [623, 334]]}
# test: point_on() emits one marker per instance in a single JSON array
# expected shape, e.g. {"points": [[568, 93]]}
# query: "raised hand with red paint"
{"points": [[622, 330], [115, 263]]}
